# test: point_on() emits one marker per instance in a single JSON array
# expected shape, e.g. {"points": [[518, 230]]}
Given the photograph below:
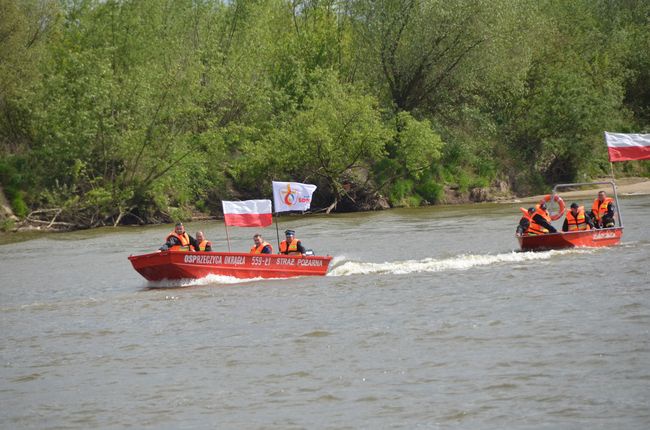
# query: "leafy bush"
{"points": [[19, 206], [399, 192], [430, 190]]}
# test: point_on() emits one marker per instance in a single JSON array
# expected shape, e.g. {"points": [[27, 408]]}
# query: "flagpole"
{"points": [[275, 206], [277, 231], [227, 235], [611, 166]]}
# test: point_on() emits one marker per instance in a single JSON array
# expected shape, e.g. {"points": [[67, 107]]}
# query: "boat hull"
{"points": [[562, 240], [159, 266]]}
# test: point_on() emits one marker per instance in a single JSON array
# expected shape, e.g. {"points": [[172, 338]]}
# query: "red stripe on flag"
{"points": [[628, 153], [249, 220]]}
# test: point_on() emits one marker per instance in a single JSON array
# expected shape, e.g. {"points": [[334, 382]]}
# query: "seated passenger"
{"points": [[261, 247], [576, 219], [179, 240], [203, 243], [291, 246], [602, 211], [541, 221]]}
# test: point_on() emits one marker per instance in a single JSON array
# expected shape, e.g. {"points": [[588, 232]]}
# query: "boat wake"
{"points": [[208, 280], [460, 262]]}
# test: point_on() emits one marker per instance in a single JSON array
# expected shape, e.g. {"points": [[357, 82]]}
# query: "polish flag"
{"points": [[626, 147], [248, 213]]}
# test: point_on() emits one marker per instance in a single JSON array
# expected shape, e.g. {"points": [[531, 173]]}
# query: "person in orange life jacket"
{"points": [[602, 211], [179, 240], [204, 244], [261, 247], [577, 219], [291, 245], [542, 217], [524, 223]]}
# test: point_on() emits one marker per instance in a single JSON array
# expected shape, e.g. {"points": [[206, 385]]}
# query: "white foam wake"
{"points": [[460, 262], [210, 279]]}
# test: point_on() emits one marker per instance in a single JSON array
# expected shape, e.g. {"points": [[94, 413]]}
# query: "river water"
{"points": [[428, 320]]}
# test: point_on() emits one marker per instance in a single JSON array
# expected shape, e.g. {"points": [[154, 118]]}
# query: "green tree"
{"points": [[338, 132]]}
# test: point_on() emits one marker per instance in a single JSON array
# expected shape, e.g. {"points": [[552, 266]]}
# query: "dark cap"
{"points": [[531, 210], [179, 224], [289, 233], [574, 206]]}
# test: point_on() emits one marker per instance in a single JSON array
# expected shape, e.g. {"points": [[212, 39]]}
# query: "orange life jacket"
{"points": [[292, 249], [204, 244], [259, 249], [543, 212], [535, 229], [184, 239], [578, 222], [599, 208]]}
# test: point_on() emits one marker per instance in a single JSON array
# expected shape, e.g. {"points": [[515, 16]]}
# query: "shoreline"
{"points": [[633, 186], [625, 187]]}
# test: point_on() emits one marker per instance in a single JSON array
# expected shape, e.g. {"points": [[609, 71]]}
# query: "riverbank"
{"points": [[624, 187], [499, 193]]}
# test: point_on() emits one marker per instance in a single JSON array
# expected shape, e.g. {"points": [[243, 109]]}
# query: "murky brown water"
{"points": [[427, 320]]}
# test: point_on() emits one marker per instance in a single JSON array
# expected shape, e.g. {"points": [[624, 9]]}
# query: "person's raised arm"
{"points": [[541, 221]]}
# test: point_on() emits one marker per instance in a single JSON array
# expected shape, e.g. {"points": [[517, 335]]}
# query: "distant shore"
{"points": [[624, 187]]}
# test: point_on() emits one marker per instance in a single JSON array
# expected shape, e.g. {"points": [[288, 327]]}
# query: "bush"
{"points": [[19, 206], [430, 190], [399, 191], [7, 224]]}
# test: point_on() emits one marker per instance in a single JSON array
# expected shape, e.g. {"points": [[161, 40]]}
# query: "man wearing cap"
{"points": [[576, 219], [542, 218], [291, 246], [179, 240]]}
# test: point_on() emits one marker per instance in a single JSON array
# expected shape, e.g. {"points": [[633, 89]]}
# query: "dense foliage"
{"points": [[135, 111]]}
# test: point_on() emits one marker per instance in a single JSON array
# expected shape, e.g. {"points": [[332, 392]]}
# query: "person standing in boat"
{"points": [[577, 219], [261, 246], [602, 211], [291, 246], [203, 243], [179, 240], [541, 221]]}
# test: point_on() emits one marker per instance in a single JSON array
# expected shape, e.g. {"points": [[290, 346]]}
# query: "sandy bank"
{"points": [[624, 187]]}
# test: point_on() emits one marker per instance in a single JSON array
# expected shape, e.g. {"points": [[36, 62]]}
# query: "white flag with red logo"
{"points": [[627, 147], [248, 213], [292, 196]]}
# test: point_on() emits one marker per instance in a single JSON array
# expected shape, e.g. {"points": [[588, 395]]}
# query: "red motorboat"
{"points": [[561, 240], [583, 238], [158, 266]]}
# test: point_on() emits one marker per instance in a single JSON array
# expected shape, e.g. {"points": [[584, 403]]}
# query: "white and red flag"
{"points": [[248, 213], [292, 196], [627, 147]]}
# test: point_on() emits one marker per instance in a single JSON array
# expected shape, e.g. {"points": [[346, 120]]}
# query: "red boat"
{"points": [[158, 266], [561, 240], [584, 238]]}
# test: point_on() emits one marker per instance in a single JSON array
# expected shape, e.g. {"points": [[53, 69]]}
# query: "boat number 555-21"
{"points": [[261, 261]]}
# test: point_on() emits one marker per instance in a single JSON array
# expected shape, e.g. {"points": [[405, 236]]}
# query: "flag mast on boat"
{"points": [[290, 196], [246, 213]]}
